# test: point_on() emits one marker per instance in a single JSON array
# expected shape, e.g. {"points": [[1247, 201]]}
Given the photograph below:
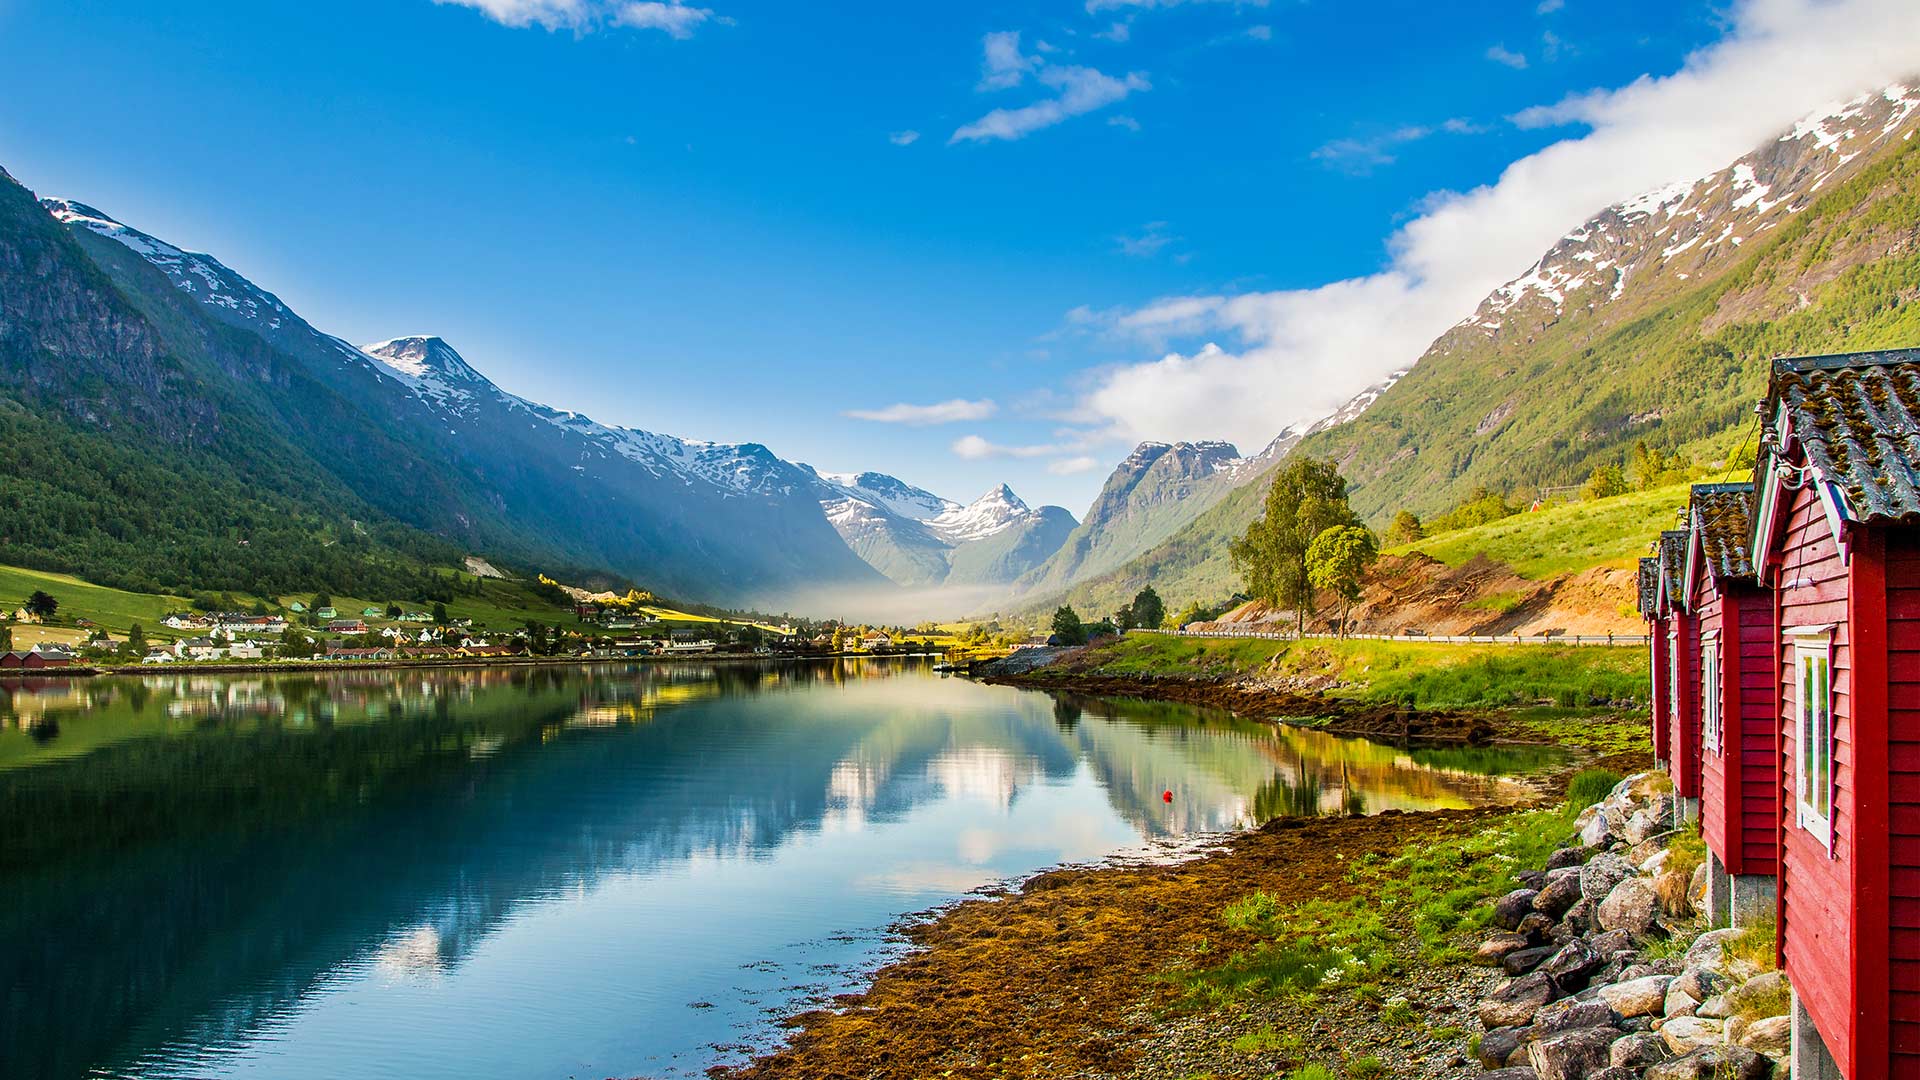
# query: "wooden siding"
{"points": [[1759, 763], [1816, 886], [1684, 735], [1657, 643], [1901, 560]]}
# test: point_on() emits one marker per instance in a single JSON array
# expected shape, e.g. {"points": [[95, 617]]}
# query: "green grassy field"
{"points": [[1424, 674], [1563, 539], [114, 609]]}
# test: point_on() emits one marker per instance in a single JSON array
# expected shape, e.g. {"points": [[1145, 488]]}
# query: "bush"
{"points": [[1589, 786]]}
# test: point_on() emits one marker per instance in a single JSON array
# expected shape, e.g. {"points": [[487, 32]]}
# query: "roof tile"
{"points": [[1857, 416], [1723, 516]]}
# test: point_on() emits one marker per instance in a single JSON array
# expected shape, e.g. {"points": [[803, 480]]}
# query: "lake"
{"points": [[607, 871]]}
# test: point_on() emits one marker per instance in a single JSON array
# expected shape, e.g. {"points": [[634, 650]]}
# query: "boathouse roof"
{"points": [[1857, 416]]}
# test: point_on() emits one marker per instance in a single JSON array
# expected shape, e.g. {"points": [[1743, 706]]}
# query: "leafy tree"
{"points": [[1067, 626], [1308, 497], [320, 600], [137, 640], [1606, 482], [440, 613], [1405, 529], [1194, 612], [42, 606], [260, 607], [393, 610], [6, 637], [1482, 505], [1147, 609], [1337, 561]]}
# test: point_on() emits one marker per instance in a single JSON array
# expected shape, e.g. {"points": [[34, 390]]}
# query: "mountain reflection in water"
{"points": [[560, 871]]}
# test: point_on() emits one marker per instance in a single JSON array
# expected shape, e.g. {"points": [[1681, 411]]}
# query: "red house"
{"points": [[1737, 723], [35, 660], [1837, 537], [1682, 671], [1656, 617]]}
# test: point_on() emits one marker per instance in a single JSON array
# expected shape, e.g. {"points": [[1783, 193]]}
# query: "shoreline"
{"points": [[330, 666], [1084, 956]]}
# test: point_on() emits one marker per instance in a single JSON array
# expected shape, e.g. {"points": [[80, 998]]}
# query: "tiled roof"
{"points": [[1723, 514], [1649, 586], [1673, 564], [1858, 417]]}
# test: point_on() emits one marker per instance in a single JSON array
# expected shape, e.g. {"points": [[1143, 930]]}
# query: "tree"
{"points": [[1067, 627], [1405, 529], [1605, 482], [393, 610], [321, 600], [1147, 610], [1337, 561], [6, 637], [1308, 497], [440, 613], [42, 606], [137, 640]]}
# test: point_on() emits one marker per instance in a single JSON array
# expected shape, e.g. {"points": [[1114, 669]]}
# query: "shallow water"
{"points": [[563, 872]]}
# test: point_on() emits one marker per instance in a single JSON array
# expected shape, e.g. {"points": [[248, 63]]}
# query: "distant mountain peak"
{"points": [[997, 509], [424, 356]]}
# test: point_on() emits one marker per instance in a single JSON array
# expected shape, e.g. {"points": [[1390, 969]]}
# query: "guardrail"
{"points": [[1445, 639]]}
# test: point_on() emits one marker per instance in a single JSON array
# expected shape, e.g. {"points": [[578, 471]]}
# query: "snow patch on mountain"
{"points": [[991, 513]]}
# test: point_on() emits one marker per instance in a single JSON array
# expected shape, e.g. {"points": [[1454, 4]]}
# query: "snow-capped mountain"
{"points": [[717, 521], [918, 538], [1695, 227], [891, 494], [993, 512]]}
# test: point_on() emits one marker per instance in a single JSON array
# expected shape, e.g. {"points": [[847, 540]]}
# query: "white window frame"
{"points": [[1813, 742], [1712, 719], [1674, 670]]}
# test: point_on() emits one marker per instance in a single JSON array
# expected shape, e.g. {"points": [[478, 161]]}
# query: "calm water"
{"points": [[560, 873]]}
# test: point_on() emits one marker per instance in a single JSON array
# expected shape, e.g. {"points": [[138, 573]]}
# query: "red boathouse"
{"points": [[1655, 615], [1837, 538], [1736, 723]]}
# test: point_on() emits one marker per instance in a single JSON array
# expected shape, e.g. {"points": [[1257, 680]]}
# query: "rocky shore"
{"points": [[1610, 978]]}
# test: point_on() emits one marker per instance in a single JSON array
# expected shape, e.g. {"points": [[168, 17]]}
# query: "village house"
{"points": [[1656, 618], [182, 620], [199, 648], [371, 653], [1837, 538], [346, 626], [37, 658], [1682, 676], [325, 613], [1735, 719]]}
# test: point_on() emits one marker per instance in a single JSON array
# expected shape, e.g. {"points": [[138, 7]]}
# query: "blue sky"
{"points": [[710, 219]]}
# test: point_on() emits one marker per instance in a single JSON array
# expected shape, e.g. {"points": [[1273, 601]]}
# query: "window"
{"points": [[1813, 730], [1712, 740]]}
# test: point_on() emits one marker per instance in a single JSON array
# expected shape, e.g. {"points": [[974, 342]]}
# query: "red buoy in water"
{"points": [[1166, 796]]}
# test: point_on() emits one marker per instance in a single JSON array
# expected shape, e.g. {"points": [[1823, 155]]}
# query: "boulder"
{"points": [[1492, 950], [1520, 1072], [1648, 848], [1531, 879], [1611, 1073], [1634, 1025], [1514, 1003], [1640, 971], [1536, 926], [1501, 1045], [1573, 964], [1652, 864], [1568, 1014], [1637, 997], [1714, 1063], [1558, 895], [1611, 943], [1629, 906], [1594, 831], [1707, 953], [1764, 988], [1601, 873], [1771, 1036], [1714, 1008], [1685, 1034], [1638, 1051], [1568, 857], [1698, 983], [1579, 916], [1647, 822], [1511, 908], [1559, 872], [1573, 1055], [1521, 961], [1680, 1003]]}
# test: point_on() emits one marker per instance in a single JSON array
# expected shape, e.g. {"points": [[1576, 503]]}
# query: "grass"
{"points": [[1311, 1072], [1366, 1067], [1589, 786], [1619, 733], [1264, 1041], [1758, 945], [1562, 539], [1423, 674], [115, 609]]}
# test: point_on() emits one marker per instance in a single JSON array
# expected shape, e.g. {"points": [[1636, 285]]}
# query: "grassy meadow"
{"points": [[1562, 539]]}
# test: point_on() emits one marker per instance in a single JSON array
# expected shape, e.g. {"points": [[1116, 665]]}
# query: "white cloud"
{"points": [[1153, 237], [975, 448], [1297, 355], [1119, 33], [1004, 66], [1124, 121], [944, 412], [1080, 90], [903, 138], [1073, 466], [675, 19], [1548, 7], [1500, 54], [1362, 154]]}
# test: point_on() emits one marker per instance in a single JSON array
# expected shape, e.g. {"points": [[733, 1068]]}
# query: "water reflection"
{"points": [[535, 872]]}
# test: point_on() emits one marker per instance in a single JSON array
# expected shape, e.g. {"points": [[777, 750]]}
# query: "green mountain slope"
{"points": [[1654, 321]]}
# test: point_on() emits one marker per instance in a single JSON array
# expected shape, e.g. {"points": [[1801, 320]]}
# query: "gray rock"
{"points": [[1594, 831], [1580, 916], [1569, 1014], [1573, 964], [1559, 894], [1714, 1008], [1638, 1050], [1685, 1034], [1601, 874], [1611, 943], [1611, 1073], [1762, 988], [1630, 906], [1699, 983], [1497, 1047], [1637, 997], [1521, 961], [1707, 953], [1559, 872], [1492, 950], [1639, 971], [1566, 857], [1511, 908], [1531, 879], [1573, 1055], [1515, 1002], [1771, 1036], [1517, 1073], [1714, 1063], [1634, 1025], [1536, 926], [1646, 822], [1680, 1003]]}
